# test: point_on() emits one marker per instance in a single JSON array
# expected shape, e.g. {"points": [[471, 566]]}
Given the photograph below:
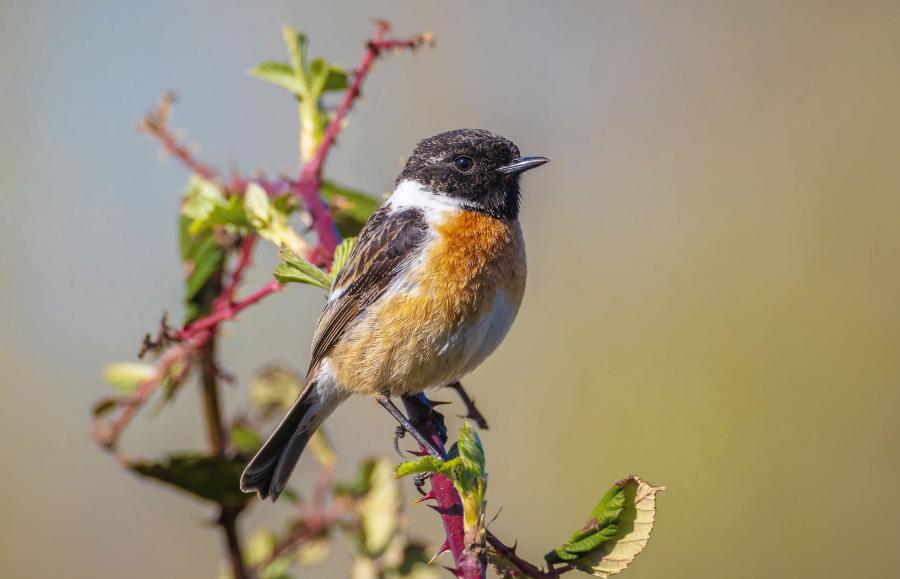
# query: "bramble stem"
{"points": [[215, 426]]}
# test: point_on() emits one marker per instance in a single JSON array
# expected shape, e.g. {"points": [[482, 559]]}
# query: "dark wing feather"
{"points": [[385, 242]]}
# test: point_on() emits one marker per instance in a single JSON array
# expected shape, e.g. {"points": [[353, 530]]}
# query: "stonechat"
{"points": [[428, 292]]}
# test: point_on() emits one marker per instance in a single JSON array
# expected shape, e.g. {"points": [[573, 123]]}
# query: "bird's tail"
{"points": [[268, 471]]}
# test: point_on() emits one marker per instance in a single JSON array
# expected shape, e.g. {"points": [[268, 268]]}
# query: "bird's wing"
{"points": [[384, 247]]}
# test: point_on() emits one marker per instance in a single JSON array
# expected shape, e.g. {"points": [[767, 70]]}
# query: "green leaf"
{"points": [[313, 551], [469, 477], [326, 77], [341, 253], [350, 208], [616, 532], [200, 197], [282, 75], [127, 376], [246, 440], [212, 478], [256, 204], [295, 42], [207, 259], [260, 546], [470, 449], [295, 269], [422, 464], [228, 213], [379, 509], [414, 564], [274, 388]]}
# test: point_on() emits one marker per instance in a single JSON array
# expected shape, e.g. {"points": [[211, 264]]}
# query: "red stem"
{"points": [[449, 507], [225, 312], [309, 186]]}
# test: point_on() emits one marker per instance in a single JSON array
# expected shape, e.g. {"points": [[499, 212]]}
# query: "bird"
{"points": [[429, 290]]}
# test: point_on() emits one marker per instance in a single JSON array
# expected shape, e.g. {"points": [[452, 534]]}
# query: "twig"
{"points": [[526, 568], [108, 436], [155, 124], [212, 410], [472, 412], [226, 312], [449, 507], [309, 186]]}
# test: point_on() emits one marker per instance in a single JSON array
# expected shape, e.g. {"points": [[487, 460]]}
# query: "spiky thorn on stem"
{"points": [[195, 343], [472, 412]]}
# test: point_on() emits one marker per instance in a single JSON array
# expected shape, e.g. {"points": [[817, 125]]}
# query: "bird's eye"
{"points": [[463, 164]]}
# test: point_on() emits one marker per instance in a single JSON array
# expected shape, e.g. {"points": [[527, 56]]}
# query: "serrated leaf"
{"points": [[471, 451], [212, 478], [469, 476], [280, 74], [341, 253], [295, 269], [350, 208], [127, 376], [274, 388], [617, 531], [419, 465], [326, 77]]}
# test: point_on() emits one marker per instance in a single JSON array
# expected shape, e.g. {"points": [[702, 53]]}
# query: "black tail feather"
{"points": [[268, 471]]}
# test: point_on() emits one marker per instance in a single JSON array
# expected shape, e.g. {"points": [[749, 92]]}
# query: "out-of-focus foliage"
{"points": [[212, 478]]}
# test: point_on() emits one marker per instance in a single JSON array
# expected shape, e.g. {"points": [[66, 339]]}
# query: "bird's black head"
{"points": [[474, 166]]}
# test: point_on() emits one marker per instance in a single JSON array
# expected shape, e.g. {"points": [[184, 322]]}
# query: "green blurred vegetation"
{"points": [[712, 290]]}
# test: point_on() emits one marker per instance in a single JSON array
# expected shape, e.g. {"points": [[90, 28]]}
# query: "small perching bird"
{"points": [[429, 290]]}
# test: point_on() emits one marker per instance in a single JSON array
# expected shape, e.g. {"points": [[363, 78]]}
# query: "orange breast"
{"points": [[414, 339]]}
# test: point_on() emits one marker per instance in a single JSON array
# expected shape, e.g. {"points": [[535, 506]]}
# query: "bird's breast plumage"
{"points": [[451, 307]]}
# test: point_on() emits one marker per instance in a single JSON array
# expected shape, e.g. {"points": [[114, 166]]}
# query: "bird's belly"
{"points": [[444, 319], [412, 344]]}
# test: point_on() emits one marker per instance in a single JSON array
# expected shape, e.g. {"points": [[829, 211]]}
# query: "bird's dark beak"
{"points": [[523, 164]]}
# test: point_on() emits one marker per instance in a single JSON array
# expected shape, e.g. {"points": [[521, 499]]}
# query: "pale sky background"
{"points": [[714, 255]]}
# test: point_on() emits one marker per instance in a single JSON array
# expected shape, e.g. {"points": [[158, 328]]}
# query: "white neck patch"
{"points": [[411, 194]]}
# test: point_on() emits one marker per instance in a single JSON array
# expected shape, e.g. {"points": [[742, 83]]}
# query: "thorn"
{"points": [[514, 547], [427, 496], [441, 550], [439, 402], [451, 569]]}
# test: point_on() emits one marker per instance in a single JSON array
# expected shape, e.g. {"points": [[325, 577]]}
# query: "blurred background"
{"points": [[714, 255]]}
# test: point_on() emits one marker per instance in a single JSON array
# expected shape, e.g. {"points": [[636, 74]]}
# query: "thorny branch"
{"points": [[309, 186], [525, 568], [195, 335], [194, 345]]}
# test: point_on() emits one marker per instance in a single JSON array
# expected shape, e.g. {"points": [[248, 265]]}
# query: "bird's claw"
{"points": [[399, 433], [419, 481]]}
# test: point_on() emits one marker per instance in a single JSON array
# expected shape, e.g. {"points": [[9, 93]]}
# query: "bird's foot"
{"points": [[419, 482], [421, 412]]}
